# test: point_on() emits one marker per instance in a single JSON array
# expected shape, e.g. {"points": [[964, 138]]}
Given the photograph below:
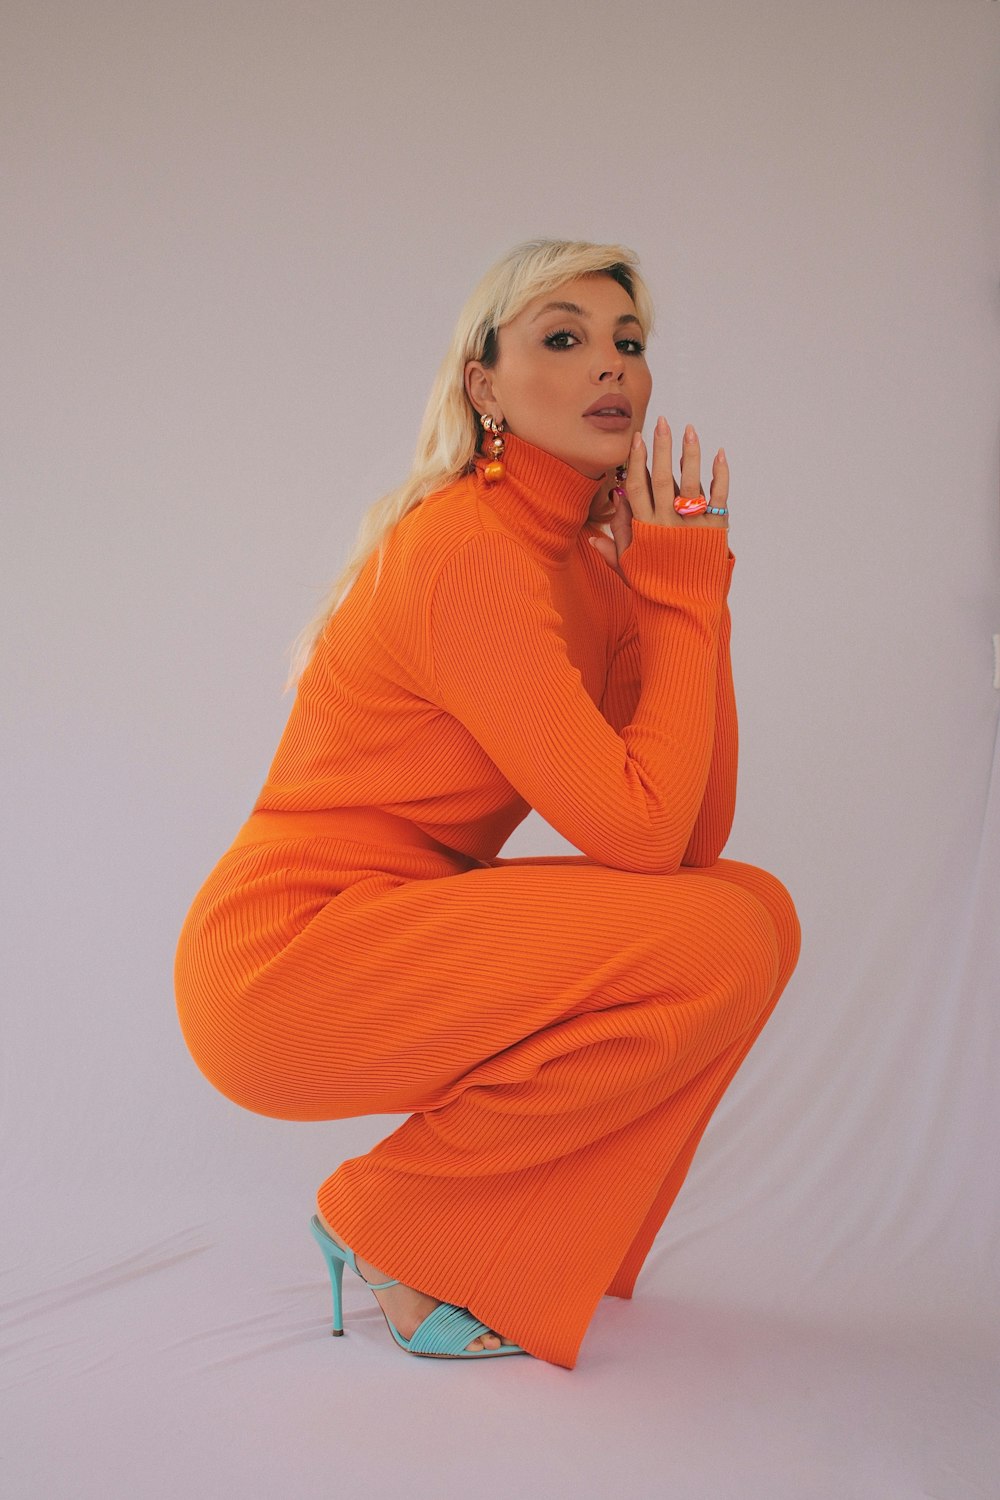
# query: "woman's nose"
{"points": [[611, 365]]}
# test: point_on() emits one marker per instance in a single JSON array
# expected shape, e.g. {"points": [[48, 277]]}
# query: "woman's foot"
{"points": [[404, 1305]]}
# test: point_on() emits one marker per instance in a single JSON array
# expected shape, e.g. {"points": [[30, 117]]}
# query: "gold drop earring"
{"points": [[494, 470]]}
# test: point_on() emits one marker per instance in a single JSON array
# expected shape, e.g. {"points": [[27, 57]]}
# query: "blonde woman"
{"points": [[537, 618]]}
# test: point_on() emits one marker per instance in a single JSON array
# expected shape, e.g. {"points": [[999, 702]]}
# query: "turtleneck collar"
{"points": [[540, 498]]}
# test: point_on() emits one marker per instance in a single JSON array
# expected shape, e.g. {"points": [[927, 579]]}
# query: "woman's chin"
{"points": [[603, 458], [597, 456]]}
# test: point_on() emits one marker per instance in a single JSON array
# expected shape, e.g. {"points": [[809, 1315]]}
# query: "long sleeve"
{"points": [[718, 807], [499, 665], [714, 821]]}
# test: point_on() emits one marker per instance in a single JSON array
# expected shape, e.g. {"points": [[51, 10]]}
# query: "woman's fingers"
{"points": [[720, 479], [664, 488], [621, 525], [651, 496], [640, 498], [690, 465], [610, 551]]}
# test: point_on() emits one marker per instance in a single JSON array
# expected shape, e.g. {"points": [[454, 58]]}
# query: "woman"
{"points": [[557, 1030]]}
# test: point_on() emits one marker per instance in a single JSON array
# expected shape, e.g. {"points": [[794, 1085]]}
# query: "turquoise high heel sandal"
{"points": [[443, 1334]]}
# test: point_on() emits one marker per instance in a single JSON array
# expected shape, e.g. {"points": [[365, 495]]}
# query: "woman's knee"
{"points": [[776, 899], [749, 931]]}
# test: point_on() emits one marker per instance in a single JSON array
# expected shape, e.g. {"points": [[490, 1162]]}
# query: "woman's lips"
{"points": [[610, 413], [608, 421]]}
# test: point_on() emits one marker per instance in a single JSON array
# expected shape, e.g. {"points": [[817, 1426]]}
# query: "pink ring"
{"points": [[693, 507]]}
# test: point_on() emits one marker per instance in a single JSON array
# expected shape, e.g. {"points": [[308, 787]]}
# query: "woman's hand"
{"points": [[652, 500]]}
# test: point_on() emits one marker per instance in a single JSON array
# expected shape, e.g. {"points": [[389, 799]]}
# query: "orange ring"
{"points": [[695, 506]]}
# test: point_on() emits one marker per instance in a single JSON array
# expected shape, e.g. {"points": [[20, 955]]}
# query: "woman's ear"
{"points": [[479, 388]]}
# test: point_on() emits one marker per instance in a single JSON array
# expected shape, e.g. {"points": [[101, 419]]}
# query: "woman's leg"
{"points": [[520, 1187], [560, 1031], [776, 898]]}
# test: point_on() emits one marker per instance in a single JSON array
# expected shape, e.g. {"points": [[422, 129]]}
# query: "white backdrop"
{"points": [[236, 240]]}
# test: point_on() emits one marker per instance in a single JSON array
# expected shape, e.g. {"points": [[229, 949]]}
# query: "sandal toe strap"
{"points": [[446, 1330]]}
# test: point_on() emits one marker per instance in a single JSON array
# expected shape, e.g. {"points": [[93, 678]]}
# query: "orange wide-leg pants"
{"points": [[558, 1033]]}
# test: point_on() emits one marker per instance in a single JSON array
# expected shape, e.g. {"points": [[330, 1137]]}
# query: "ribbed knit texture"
{"points": [[559, 1030]]}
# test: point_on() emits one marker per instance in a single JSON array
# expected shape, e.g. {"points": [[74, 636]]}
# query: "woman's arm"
{"points": [[618, 703], [499, 665], [715, 816]]}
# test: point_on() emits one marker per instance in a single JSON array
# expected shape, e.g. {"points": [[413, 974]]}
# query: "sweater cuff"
{"points": [[662, 561]]}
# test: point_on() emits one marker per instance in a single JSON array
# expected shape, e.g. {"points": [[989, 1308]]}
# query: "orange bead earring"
{"points": [[494, 470]]}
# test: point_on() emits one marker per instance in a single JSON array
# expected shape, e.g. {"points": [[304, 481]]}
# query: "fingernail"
{"points": [[689, 433], [661, 423], [636, 438]]}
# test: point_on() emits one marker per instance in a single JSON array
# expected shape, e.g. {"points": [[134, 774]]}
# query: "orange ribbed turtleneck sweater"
{"points": [[501, 664]]}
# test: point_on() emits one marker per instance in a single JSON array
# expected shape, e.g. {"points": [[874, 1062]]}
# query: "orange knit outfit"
{"points": [[558, 1030]]}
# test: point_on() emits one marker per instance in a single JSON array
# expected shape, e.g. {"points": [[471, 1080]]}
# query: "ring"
{"points": [[695, 506]]}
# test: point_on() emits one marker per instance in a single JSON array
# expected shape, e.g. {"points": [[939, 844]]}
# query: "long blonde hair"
{"points": [[450, 433]]}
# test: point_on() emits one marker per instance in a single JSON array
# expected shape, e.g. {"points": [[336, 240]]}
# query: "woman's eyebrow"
{"points": [[573, 307]]}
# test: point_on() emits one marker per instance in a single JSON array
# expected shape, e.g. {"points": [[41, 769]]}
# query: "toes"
{"points": [[485, 1341]]}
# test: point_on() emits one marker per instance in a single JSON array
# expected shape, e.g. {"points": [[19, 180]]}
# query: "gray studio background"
{"points": [[236, 239]]}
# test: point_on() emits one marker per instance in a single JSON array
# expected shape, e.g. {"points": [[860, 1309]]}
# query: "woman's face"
{"points": [[571, 376]]}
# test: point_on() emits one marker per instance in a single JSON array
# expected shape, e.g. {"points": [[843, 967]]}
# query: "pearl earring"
{"points": [[494, 470]]}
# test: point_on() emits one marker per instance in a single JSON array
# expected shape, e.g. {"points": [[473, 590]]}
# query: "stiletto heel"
{"points": [[336, 1269], [443, 1334]]}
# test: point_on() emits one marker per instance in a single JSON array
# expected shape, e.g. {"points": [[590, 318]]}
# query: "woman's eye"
{"points": [[558, 340], [563, 339]]}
